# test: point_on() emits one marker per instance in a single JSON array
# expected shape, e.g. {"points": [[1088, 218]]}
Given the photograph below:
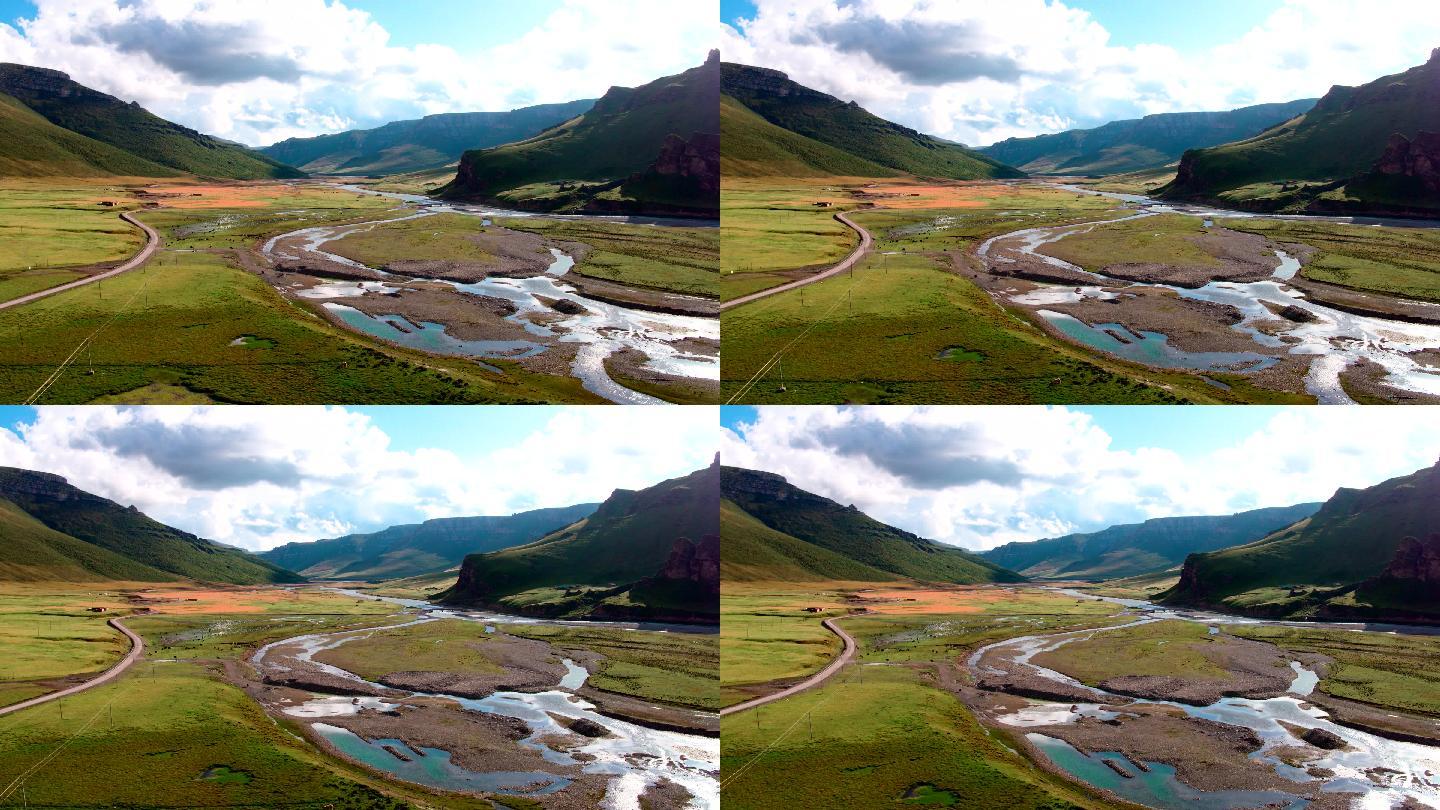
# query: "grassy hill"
{"points": [[585, 162], [105, 526], [33, 552], [420, 548], [844, 532], [31, 146], [1340, 138], [628, 539], [848, 128], [1139, 143], [1141, 548], [130, 128], [750, 146], [1305, 568], [431, 142], [754, 552]]}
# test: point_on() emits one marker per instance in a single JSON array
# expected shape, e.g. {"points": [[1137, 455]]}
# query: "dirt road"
{"points": [[814, 680], [137, 647], [849, 262], [152, 243]]}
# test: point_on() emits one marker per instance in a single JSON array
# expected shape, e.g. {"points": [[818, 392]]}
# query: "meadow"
{"points": [[47, 633], [52, 231], [1396, 261], [770, 226], [676, 668], [682, 260]]}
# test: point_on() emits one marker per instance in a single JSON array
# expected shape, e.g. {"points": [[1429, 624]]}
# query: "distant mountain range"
{"points": [[1368, 149], [1367, 553], [53, 126], [775, 531], [52, 531], [1139, 143], [649, 554], [653, 149], [1134, 549], [420, 548], [432, 142], [777, 127]]}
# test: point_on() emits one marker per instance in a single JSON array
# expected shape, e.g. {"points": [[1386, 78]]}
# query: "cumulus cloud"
{"points": [[265, 70], [260, 477], [983, 476], [982, 72]]}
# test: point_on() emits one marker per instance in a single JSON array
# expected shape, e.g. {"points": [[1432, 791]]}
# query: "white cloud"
{"points": [[982, 72], [982, 476], [259, 477], [260, 71]]}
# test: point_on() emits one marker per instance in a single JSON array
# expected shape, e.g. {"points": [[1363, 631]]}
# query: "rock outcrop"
{"points": [[1417, 159], [696, 564]]}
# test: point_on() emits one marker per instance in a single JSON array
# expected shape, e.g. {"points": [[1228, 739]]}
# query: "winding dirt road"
{"points": [[812, 681], [849, 262], [137, 647], [152, 243]]}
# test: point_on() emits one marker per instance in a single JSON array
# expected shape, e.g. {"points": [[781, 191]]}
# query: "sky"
{"points": [[980, 72], [979, 477], [260, 477], [260, 71]]}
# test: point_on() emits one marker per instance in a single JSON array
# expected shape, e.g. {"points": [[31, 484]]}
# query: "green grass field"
{"points": [[676, 668], [683, 260], [1397, 261], [766, 635], [766, 229], [445, 646], [1392, 672], [47, 633], [1164, 239], [443, 236], [50, 227], [1159, 648]]}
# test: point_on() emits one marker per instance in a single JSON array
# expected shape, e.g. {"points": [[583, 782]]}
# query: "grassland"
{"points": [[445, 646], [443, 237], [1164, 239], [1392, 672], [51, 230], [676, 668], [886, 732], [683, 260], [170, 327], [1159, 648], [48, 633], [766, 635], [768, 227], [1397, 261]]}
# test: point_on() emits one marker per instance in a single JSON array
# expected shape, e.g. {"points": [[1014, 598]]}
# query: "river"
{"points": [[1335, 339], [1384, 772], [602, 329], [632, 757]]}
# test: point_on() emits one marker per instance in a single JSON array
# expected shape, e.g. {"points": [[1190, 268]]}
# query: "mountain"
{"points": [[420, 548], [431, 142], [66, 531], [844, 127], [1305, 163], [802, 536], [754, 147], [613, 157], [613, 563], [1139, 143], [1316, 566], [1141, 548], [131, 129]]}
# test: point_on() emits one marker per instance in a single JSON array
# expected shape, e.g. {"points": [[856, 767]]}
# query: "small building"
{"points": [[821, 204]]}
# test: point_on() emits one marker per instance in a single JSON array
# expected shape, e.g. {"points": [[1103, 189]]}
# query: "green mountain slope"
{"points": [[1305, 568], [31, 146], [606, 159], [33, 552], [1139, 143], [598, 560], [427, 143], [131, 128], [1141, 548], [126, 532], [754, 552], [420, 548], [850, 129], [849, 533], [750, 146], [1341, 137]]}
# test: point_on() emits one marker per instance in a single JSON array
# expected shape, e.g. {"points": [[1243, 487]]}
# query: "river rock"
{"points": [[1320, 738]]}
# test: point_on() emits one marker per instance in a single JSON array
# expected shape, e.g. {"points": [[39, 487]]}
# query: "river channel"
{"points": [[1384, 773], [631, 757], [1336, 340]]}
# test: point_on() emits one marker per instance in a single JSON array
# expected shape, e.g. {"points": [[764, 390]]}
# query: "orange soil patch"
{"points": [[957, 195], [239, 196], [914, 601], [215, 601]]}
